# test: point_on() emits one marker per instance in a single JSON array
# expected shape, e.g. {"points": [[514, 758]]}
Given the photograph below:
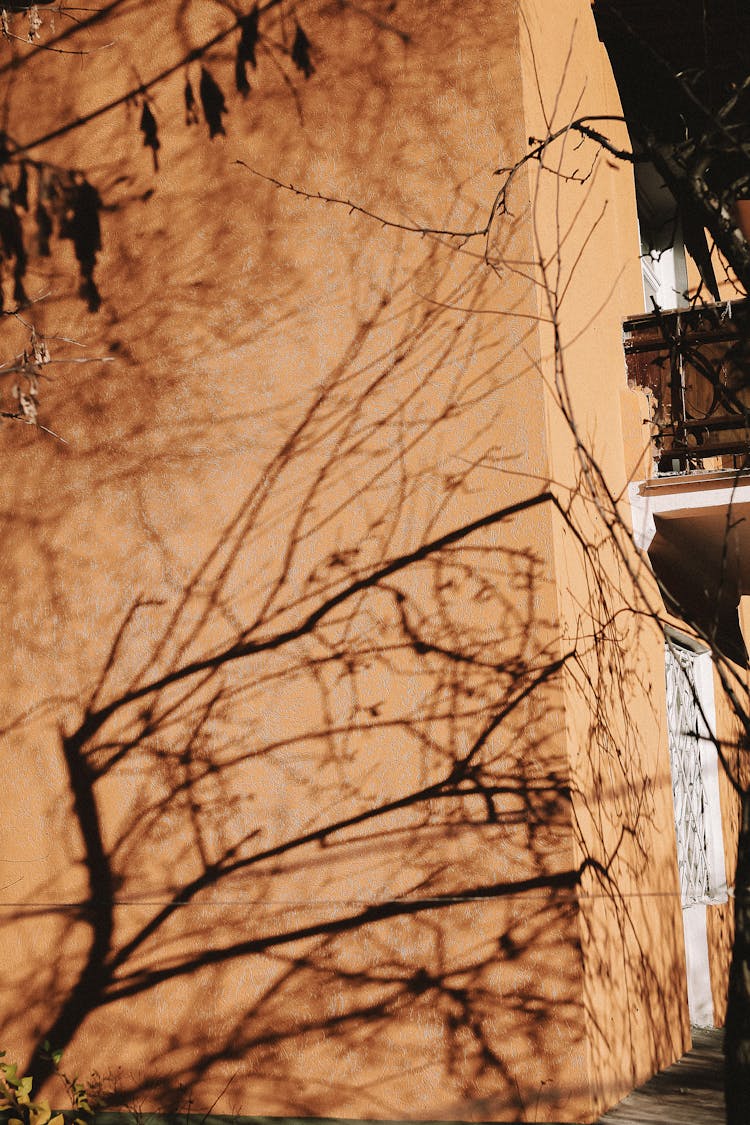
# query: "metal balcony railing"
{"points": [[695, 366]]}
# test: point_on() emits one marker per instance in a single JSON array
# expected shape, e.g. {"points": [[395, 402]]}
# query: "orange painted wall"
{"points": [[634, 990], [389, 861]]}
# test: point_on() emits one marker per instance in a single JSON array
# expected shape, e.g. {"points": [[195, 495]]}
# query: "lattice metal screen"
{"points": [[687, 777]]}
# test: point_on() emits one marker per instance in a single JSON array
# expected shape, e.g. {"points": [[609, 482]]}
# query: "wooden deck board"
{"points": [[689, 1093]]}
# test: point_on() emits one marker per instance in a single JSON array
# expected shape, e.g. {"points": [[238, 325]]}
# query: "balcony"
{"points": [[692, 516], [694, 365]]}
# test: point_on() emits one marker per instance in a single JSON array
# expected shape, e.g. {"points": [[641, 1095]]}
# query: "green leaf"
{"points": [[39, 1114]]}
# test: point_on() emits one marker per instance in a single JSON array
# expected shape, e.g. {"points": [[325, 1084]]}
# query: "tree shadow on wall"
{"points": [[319, 838], [317, 848], [175, 77]]}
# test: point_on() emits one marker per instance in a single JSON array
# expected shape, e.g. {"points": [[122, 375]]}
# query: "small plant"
{"points": [[15, 1099], [87, 1098]]}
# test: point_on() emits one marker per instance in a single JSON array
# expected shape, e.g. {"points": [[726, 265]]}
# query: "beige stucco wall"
{"points": [[346, 864]]}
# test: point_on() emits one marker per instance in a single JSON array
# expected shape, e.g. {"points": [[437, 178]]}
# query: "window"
{"points": [[663, 264], [694, 766]]}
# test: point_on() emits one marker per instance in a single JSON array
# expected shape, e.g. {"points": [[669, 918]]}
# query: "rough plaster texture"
{"points": [[391, 862]]}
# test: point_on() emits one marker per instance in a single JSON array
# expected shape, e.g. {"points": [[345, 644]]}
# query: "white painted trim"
{"points": [[717, 872], [652, 497], [700, 997], [664, 275]]}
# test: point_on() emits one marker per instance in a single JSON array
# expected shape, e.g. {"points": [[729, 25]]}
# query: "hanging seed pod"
{"points": [[150, 131], [301, 53], [11, 238], [249, 36], [43, 230], [85, 231], [20, 193], [192, 116], [240, 76], [212, 100]]}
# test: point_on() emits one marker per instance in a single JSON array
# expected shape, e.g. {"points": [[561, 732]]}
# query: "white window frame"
{"points": [[703, 676], [664, 274], [663, 261], [694, 918]]}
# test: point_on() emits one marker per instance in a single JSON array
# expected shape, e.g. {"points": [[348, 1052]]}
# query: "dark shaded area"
{"points": [[691, 116], [705, 47], [737, 1069]]}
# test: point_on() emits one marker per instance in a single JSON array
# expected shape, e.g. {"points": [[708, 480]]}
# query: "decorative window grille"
{"points": [[684, 726]]}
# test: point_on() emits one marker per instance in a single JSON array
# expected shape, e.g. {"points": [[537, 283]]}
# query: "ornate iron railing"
{"points": [[695, 365]]}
